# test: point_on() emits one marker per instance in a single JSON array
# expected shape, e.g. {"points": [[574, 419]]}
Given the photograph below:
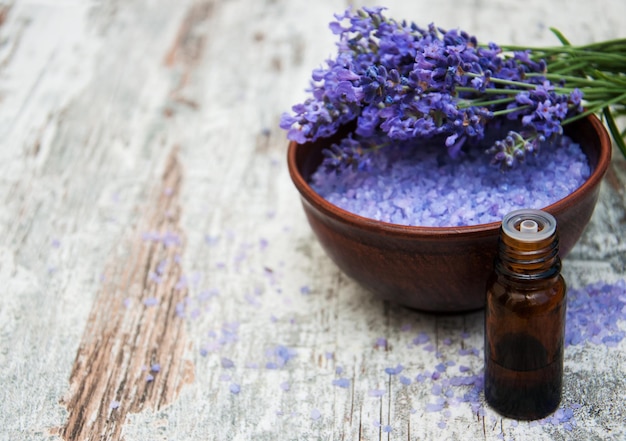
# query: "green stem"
{"points": [[506, 111], [595, 109], [490, 102], [503, 81], [488, 91], [578, 81], [617, 136]]}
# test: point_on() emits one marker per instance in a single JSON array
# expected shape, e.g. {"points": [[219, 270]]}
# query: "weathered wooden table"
{"points": [[158, 278]]}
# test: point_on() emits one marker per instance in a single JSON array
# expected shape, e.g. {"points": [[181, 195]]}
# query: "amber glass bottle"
{"points": [[525, 319]]}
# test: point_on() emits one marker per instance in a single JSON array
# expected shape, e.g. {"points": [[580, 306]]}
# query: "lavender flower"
{"points": [[395, 81]]}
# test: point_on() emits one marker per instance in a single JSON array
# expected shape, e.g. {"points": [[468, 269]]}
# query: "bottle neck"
{"points": [[520, 260]]}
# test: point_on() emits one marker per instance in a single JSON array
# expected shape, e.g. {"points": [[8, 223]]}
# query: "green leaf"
{"points": [[564, 41], [617, 136]]}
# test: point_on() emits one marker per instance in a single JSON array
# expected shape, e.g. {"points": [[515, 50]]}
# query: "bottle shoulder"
{"points": [[517, 295]]}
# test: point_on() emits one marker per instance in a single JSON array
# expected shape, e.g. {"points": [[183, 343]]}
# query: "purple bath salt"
{"points": [[424, 186]]}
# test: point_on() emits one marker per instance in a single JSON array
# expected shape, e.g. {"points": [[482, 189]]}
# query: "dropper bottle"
{"points": [[525, 318]]}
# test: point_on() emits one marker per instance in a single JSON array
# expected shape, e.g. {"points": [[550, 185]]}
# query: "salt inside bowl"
{"points": [[419, 184]]}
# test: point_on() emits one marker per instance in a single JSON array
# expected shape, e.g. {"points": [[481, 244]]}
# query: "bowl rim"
{"points": [[381, 227]]}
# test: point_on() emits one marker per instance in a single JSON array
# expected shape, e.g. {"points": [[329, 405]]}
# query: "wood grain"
{"points": [[132, 356], [93, 97]]}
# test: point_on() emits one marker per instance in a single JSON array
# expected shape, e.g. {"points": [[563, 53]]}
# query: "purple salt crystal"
{"points": [[234, 389], [421, 338], [436, 389], [454, 190], [180, 309], [154, 277], [434, 407], [315, 414], [151, 301], [227, 363], [405, 380], [342, 382], [376, 393], [394, 371]]}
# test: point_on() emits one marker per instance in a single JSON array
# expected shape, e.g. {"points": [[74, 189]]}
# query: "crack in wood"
{"points": [[187, 50], [132, 354]]}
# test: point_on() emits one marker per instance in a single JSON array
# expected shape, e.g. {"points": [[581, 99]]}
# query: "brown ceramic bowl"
{"points": [[438, 269]]}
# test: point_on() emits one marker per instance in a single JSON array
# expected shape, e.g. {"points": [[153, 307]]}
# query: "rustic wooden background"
{"points": [[158, 278]]}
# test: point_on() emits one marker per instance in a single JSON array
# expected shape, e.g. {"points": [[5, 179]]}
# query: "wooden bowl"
{"points": [[437, 269]]}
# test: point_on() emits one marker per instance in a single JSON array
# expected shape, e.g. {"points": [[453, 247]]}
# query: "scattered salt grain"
{"points": [[434, 407], [151, 301], [279, 356], [593, 313], [342, 382], [235, 388], [421, 338], [376, 392], [394, 371], [227, 363], [114, 404], [405, 380], [315, 414]]}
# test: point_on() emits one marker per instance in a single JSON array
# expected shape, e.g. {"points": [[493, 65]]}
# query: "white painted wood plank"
{"points": [[95, 97]]}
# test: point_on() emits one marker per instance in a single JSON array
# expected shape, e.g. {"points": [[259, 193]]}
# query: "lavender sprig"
{"points": [[397, 81]]}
